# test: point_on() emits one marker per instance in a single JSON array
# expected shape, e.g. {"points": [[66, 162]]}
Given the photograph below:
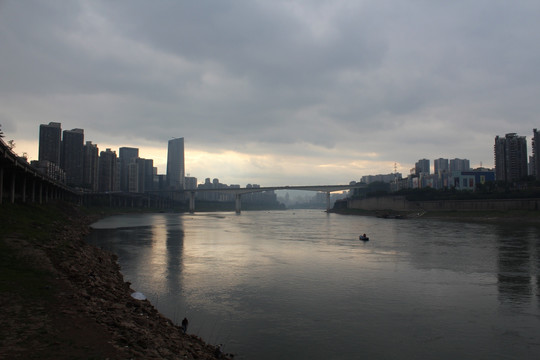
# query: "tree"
{"points": [[1, 132], [11, 144]]}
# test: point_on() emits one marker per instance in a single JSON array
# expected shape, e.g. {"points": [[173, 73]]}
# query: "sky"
{"points": [[274, 92]]}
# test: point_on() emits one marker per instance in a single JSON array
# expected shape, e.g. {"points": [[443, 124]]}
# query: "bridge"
{"points": [[27, 183], [239, 191]]}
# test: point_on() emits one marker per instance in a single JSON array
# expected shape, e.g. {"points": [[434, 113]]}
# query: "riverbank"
{"points": [[61, 298], [508, 216]]}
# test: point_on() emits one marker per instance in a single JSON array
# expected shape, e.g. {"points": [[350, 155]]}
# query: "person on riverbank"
{"points": [[185, 323]]}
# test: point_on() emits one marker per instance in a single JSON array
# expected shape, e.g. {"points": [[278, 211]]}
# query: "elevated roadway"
{"points": [[239, 191], [18, 179]]}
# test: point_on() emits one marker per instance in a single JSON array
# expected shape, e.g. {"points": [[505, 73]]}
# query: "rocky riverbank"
{"points": [[64, 299]]}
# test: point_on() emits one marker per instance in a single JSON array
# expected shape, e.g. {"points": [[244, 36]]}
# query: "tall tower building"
{"points": [[90, 166], [148, 175], [107, 171], [127, 155], [440, 165], [460, 165], [73, 156], [536, 154], [422, 166], [50, 138], [175, 164], [510, 157]]}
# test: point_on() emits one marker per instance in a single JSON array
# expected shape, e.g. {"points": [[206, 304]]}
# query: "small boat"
{"points": [[363, 237]]}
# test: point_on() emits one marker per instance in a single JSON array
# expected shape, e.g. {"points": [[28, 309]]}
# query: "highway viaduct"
{"points": [[22, 181]]}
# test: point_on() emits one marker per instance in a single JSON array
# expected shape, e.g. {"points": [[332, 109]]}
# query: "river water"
{"points": [[298, 284]]}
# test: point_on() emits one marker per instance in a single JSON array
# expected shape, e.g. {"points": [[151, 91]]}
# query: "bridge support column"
{"points": [[34, 190], [238, 203], [327, 201], [24, 189], [192, 202], [1, 184], [12, 191]]}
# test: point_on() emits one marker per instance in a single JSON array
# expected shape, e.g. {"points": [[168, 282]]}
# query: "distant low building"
{"points": [[388, 178]]}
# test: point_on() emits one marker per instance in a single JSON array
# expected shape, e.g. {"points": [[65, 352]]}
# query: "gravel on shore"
{"points": [[61, 298]]}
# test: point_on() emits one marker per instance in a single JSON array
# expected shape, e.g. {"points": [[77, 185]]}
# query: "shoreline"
{"points": [[61, 298], [524, 217]]}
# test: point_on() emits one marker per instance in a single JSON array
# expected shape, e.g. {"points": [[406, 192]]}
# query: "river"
{"points": [[298, 284]]}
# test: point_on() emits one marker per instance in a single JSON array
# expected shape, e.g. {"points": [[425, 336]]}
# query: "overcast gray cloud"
{"points": [[275, 92]]}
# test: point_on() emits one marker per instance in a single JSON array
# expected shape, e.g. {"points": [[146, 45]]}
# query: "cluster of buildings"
{"points": [[511, 165], [67, 158]]}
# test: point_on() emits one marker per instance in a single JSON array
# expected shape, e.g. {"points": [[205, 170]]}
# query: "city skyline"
{"points": [[176, 151], [135, 171], [274, 93]]}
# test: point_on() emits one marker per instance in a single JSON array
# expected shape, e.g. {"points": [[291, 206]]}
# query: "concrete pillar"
{"points": [[24, 189], [41, 192], [192, 202], [12, 192], [238, 203], [328, 201], [1, 184], [33, 190]]}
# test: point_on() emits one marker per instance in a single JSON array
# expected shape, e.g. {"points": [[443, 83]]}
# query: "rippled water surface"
{"points": [[300, 285]]}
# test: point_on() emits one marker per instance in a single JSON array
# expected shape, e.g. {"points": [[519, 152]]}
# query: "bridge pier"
{"points": [[192, 202], [238, 203], [327, 201], [33, 190], [12, 191], [24, 189], [1, 184]]}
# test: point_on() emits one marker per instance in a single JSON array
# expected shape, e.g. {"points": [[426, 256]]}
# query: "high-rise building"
{"points": [[133, 177], [510, 157], [535, 166], [422, 167], [190, 182], [90, 166], [440, 165], [50, 139], [73, 156], [460, 165], [175, 164], [127, 155], [145, 174], [107, 171], [148, 175]]}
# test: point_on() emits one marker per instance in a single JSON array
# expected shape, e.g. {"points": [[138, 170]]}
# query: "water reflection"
{"points": [[517, 264], [174, 240]]}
